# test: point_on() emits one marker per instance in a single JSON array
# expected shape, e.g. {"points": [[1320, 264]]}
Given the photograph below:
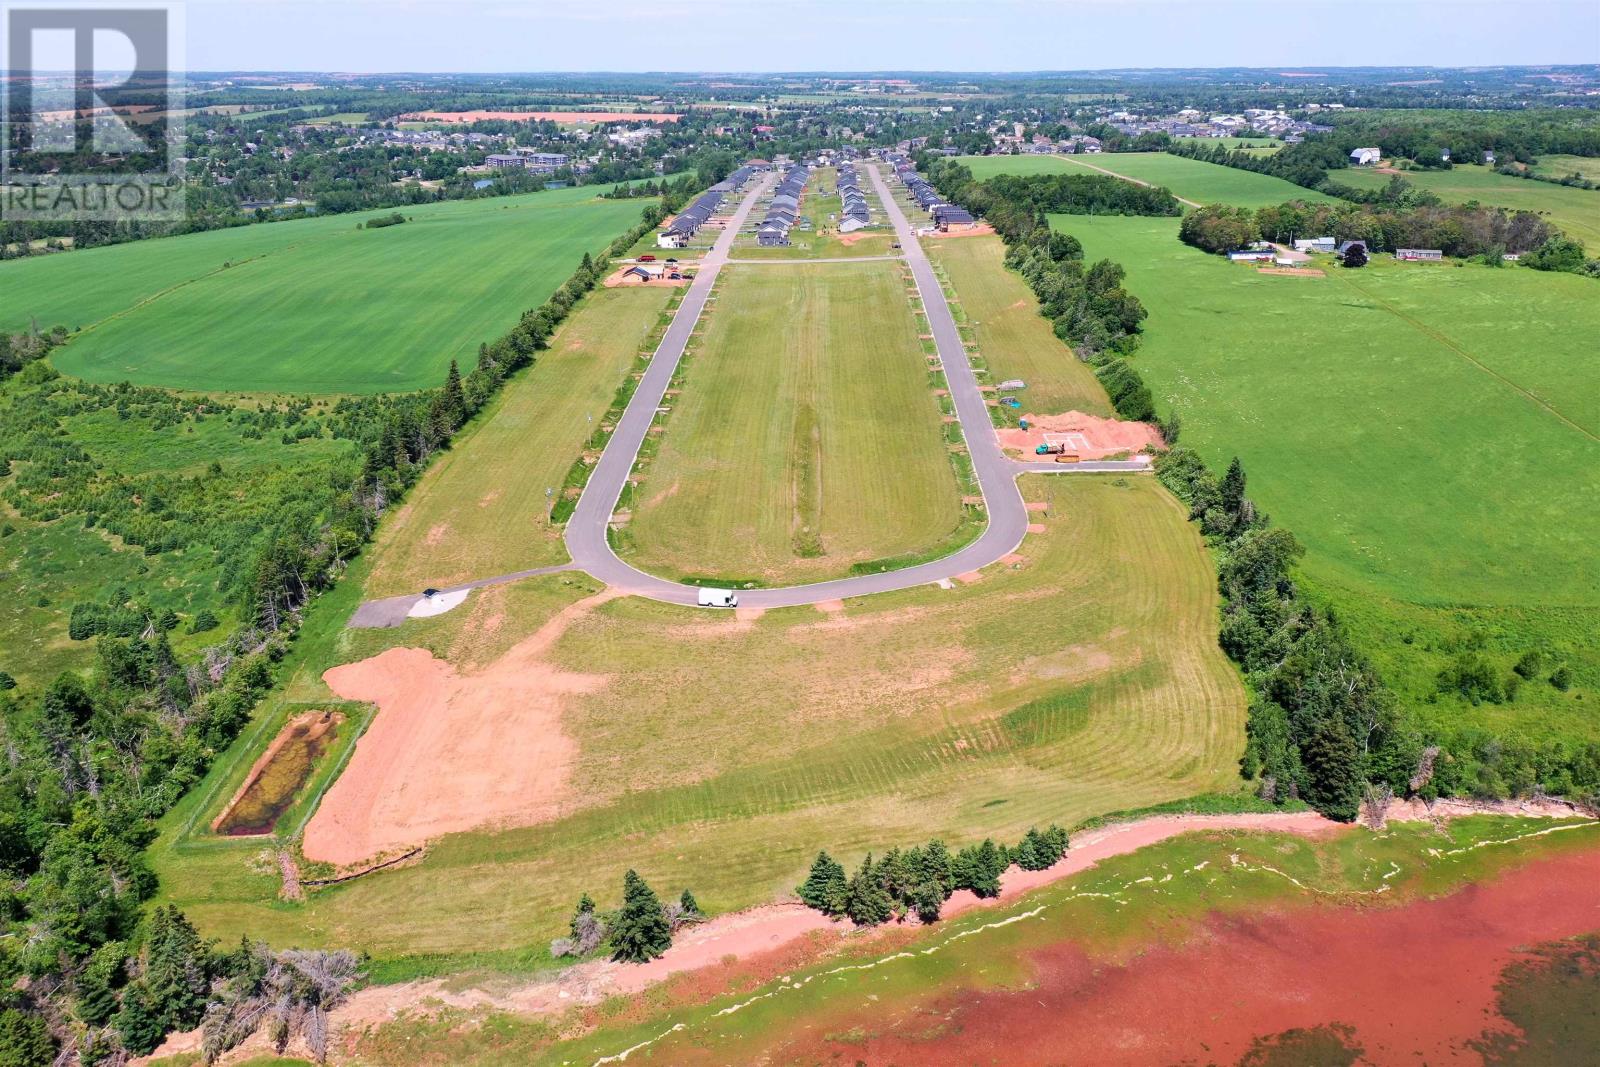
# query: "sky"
{"points": [[860, 35]]}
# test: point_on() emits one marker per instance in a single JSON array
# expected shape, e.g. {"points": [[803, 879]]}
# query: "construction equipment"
{"points": [[1049, 450], [1011, 402], [1067, 457]]}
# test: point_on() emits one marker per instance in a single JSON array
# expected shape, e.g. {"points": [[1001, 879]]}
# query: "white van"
{"points": [[718, 598]]}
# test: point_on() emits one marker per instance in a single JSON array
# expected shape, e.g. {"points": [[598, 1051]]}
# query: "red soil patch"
{"points": [[982, 229], [1293, 272], [1416, 982], [449, 751], [1037, 527], [621, 277], [1038, 505], [969, 577], [1012, 559], [829, 607], [552, 116], [1089, 436]]}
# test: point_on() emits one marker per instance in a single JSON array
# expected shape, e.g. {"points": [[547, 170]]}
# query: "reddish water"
{"points": [[1415, 982]]}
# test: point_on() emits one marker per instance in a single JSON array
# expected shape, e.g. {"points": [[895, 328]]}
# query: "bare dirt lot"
{"points": [[1088, 436], [449, 751]]}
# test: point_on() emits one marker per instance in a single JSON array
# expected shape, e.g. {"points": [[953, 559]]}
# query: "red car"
{"points": [[647, 259]]}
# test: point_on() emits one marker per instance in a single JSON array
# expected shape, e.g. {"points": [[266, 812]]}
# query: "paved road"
{"points": [[586, 535], [996, 473]]}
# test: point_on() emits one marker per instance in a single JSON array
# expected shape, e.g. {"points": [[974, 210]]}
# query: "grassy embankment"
{"points": [[804, 439], [1425, 431]]}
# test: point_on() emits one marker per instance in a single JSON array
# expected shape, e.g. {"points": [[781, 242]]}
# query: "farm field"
{"points": [[1189, 179], [822, 241], [805, 440], [312, 306], [1002, 315], [1561, 166], [1422, 428], [1082, 679], [1576, 211], [481, 509]]}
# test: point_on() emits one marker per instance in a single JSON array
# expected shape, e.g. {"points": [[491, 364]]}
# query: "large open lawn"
{"points": [[1014, 341], [1576, 211], [805, 439], [1428, 431], [313, 306], [721, 753], [481, 509], [1188, 179]]}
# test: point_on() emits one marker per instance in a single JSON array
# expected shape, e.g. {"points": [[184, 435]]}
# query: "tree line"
{"points": [[1323, 727], [1456, 230], [1087, 307], [919, 880]]}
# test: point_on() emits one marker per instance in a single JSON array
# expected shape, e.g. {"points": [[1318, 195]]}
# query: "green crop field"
{"points": [[1576, 211], [1084, 679], [481, 509], [1002, 316], [1188, 179], [806, 438], [313, 306], [1426, 430]]}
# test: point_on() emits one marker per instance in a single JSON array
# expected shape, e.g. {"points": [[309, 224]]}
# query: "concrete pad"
{"points": [[428, 606]]}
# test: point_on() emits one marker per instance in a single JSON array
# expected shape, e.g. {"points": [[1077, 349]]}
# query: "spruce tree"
{"points": [[1333, 770], [176, 969], [1233, 487], [641, 932], [869, 904], [826, 888], [690, 906], [454, 398]]}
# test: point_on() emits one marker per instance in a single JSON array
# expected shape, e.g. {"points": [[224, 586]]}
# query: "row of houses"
{"points": [[946, 216], [685, 224], [853, 213], [784, 210]]}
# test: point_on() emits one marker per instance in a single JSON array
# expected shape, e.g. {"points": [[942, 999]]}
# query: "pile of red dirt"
{"points": [[1088, 436]]}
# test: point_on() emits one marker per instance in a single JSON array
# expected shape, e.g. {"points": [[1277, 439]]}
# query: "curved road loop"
{"points": [[997, 474]]}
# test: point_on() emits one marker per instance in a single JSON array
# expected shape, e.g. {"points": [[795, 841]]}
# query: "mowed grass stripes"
{"points": [[313, 306], [805, 437], [721, 754]]}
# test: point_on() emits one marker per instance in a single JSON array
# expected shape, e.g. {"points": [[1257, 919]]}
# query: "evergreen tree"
{"points": [[96, 985], [1233, 487], [690, 906], [868, 904], [139, 1021], [585, 907], [454, 398], [176, 969], [641, 932], [979, 867], [25, 1040], [826, 888], [1333, 770]]}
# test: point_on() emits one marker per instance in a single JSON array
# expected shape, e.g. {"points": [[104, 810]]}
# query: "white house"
{"points": [[1365, 157]]}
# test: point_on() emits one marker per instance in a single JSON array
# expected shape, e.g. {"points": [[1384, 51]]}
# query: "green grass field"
{"points": [[806, 438], [313, 306], [1561, 166], [1576, 211], [1426, 430], [481, 509], [1083, 680], [1002, 316], [1188, 179]]}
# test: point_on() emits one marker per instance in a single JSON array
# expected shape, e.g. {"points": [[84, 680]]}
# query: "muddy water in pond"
{"points": [[1415, 983], [275, 780]]}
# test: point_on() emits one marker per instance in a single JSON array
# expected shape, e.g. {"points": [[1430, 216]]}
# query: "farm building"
{"points": [[1418, 253], [1316, 244], [1365, 157], [1250, 256]]}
